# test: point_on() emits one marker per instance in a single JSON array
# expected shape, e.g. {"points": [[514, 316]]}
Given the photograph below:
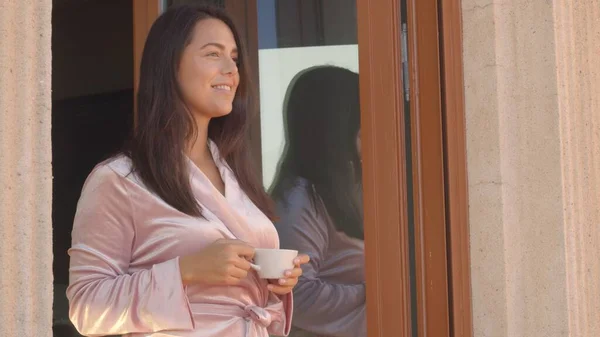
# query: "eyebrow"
{"points": [[218, 45]]}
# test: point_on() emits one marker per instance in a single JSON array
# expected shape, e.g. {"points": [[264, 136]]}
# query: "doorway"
{"points": [[92, 113]]}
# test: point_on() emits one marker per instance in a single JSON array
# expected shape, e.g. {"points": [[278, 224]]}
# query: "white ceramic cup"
{"points": [[273, 263]]}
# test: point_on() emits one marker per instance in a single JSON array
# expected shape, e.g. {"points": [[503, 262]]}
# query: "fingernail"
{"points": [[288, 273], [296, 261], [270, 287], [281, 281]]}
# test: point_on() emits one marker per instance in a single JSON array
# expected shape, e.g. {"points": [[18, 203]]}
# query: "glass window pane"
{"points": [[310, 141], [310, 121]]}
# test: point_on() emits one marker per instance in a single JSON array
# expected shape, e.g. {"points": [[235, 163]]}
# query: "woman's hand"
{"points": [[223, 262], [285, 285]]}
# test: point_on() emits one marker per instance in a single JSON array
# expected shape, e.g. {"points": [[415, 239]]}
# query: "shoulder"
{"points": [[297, 195], [108, 176], [120, 165], [105, 193], [301, 211], [104, 201], [299, 201]]}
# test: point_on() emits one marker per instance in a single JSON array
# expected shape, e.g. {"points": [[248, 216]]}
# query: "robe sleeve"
{"points": [[320, 307], [281, 326], [104, 298]]}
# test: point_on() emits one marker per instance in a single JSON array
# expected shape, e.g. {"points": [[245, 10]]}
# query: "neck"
{"points": [[197, 149]]}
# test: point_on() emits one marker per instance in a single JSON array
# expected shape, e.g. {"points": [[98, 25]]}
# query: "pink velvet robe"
{"points": [[124, 272]]}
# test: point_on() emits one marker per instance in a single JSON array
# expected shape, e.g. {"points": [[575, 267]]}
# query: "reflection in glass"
{"points": [[318, 192]]}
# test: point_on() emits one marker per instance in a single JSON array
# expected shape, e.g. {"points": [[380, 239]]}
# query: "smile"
{"points": [[222, 87]]}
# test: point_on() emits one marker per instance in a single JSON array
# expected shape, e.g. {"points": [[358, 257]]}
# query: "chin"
{"points": [[226, 110], [214, 110], [221, 111]]}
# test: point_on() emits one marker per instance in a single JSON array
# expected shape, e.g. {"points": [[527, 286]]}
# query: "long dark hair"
{"points": [[165, 126], [322, 120]]}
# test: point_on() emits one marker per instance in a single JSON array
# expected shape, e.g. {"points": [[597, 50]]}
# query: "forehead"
{"points": [[213, 31]]}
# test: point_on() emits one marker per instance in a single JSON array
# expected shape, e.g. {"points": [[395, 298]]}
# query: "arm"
{"points": [[320, 307], [103, 298]]}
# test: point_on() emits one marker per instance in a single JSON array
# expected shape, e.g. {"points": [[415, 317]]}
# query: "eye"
{"points": [[213, 54]]}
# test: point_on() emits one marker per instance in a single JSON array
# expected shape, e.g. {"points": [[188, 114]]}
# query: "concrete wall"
{"points": [[577, 36], [25, 168], [533, 132]]}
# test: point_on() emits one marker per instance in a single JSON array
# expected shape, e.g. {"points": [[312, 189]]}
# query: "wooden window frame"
{"points": [[457, 199], [384, 169], [438, 156], [433, 312]]}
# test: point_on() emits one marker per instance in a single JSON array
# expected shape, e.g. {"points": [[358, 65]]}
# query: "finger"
{"points": [[296, 272], [236, 272], [243, 249], [279, 290], [230, 280], [288, 282], [301, 259], [242, 264]]}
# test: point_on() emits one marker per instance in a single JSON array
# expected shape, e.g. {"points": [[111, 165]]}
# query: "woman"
{"points": [[318, 193], [164, 233]]}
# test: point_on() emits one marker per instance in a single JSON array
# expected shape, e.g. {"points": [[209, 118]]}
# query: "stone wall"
{"points": [[25, 168], [533, 137]]}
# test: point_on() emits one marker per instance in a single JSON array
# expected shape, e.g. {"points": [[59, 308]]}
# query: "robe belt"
{"points": [[251, 313]]}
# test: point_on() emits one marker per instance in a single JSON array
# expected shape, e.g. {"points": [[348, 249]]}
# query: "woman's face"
{"points": [[208, 73]]}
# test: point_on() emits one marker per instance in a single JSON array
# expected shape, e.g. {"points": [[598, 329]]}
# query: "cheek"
{"points": [[196, 71], [200, 78], [195, 83]]}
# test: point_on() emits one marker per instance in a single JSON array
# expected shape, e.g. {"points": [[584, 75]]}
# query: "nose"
{"points": [[230, 67]]}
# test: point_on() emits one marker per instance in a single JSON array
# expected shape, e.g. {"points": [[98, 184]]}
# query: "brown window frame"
{"points": [[438, 159], [384, 169], [456, 168], [443, 287], [433, 312]]}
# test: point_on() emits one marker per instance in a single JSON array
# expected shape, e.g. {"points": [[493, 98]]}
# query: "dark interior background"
{"points": [[92, 112]]}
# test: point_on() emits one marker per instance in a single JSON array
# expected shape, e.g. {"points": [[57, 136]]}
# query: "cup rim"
{"points": [[277, 249]]}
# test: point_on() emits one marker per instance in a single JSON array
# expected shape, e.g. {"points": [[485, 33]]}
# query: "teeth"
{"points": [[222, 87]]}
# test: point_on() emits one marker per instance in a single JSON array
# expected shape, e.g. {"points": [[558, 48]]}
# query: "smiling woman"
{"points": [[164, 233], [204, 57]]}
